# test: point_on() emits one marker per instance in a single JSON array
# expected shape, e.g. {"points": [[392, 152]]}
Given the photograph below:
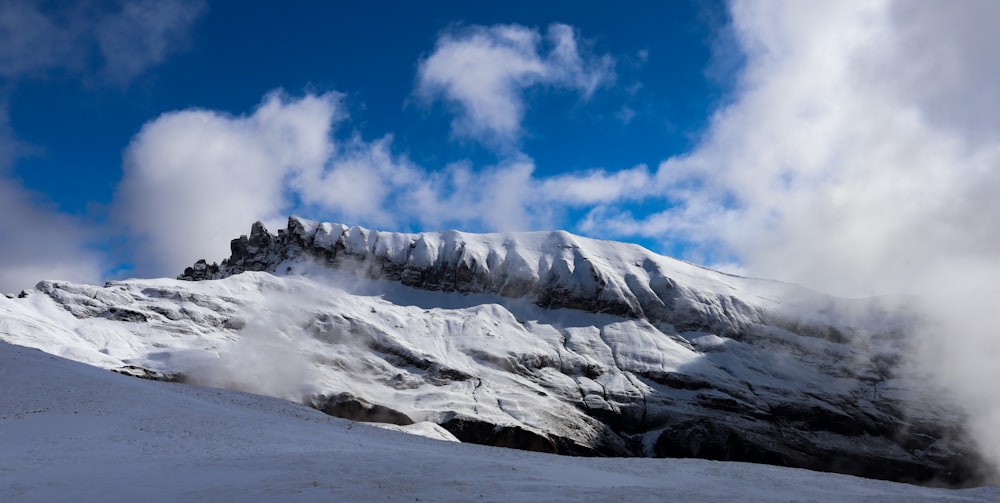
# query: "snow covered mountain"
{"points": [[70, 432], [540, 341]]}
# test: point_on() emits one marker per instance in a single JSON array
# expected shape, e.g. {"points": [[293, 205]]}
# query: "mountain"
{"points": [[539, 341], [71, 432]]}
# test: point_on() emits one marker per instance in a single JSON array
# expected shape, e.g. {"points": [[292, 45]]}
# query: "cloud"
{"points": [[42, 243], [123, 38], [357, 182], [38, 241], [142, 34], [194, 179], [31, 42], [833, 152], [596, 187], [860, 154], [36, 39], [482, 73]]}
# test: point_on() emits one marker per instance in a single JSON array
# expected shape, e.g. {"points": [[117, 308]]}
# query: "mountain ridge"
{"points": [[508, 265]]}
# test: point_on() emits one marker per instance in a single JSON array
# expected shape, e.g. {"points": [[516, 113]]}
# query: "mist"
{"points": [[261, 360]]}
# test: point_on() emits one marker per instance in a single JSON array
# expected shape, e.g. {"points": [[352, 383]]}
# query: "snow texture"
{"points": [[71, 432]]}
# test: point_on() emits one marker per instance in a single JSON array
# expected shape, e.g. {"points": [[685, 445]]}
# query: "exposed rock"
{"points": [[152, 375], [123, 314], [515, 437], [201, 271], [348, 406]]}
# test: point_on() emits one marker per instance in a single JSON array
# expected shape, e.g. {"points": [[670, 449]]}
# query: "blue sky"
{"points": [[233, 53], [749, 136]]}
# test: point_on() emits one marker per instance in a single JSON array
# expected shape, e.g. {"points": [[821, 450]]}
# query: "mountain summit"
{"points": [[543, 341]]}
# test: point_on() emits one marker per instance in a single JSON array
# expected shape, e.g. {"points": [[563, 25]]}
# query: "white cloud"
{"points": [[194, 179], [625, 114], [358, 181], [483, 71], [41, 243], [38, 241], [834, 153], [596, 187], [860, 154]]}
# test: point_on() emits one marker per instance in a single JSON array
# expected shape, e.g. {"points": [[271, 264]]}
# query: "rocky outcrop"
{"points": [[348, 406], [553, 269]]}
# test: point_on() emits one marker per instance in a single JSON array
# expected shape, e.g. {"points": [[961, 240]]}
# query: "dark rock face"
{"points": [[122, 314], [348, 406], [479, 432], [656, 412], [201, 271]]}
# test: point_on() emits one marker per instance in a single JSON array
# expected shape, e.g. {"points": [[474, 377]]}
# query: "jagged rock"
{"points": [[453, 261], [201, 270]]}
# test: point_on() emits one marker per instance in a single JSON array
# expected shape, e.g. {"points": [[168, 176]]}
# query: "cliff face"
{"points": [[540, 341]]}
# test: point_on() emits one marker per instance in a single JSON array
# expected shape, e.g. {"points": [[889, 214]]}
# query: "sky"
{"points": [[840, 145]]}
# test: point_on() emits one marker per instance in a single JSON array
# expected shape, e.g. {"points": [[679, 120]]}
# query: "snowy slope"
{"points": [[541, 341], [70, 432]]}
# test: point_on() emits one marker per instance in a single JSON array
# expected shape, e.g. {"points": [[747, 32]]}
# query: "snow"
{"points": [[74, 432]]}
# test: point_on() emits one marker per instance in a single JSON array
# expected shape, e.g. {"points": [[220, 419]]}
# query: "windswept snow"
{"points": [[71, 432]]}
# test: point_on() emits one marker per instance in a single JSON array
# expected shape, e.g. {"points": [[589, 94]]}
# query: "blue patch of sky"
{"points": [[370, 50]]}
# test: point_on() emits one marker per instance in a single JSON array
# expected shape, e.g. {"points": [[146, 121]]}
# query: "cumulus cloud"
{"points": [[42, 243], [36, 38], [357, 181], [597, 187], [859, 155], [194, 179], [39, 242], [482, 73], [834, 152]]}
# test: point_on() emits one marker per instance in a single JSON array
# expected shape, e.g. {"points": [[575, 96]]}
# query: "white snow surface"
{"points": [[71, 432]]}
